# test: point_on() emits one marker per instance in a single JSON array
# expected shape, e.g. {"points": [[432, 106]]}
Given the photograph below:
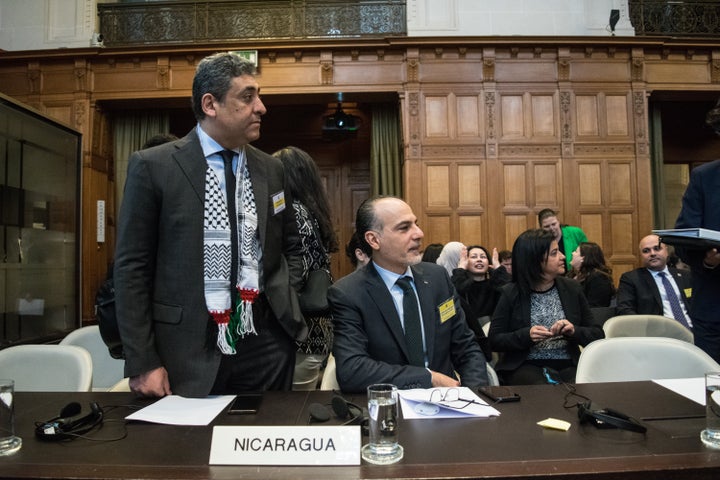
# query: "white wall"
{"points": [[46, 24], [49, 24], [516, 17]]}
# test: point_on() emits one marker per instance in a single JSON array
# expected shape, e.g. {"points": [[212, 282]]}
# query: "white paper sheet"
{"points": [[414, 401], [177, 410], [692, 388]]}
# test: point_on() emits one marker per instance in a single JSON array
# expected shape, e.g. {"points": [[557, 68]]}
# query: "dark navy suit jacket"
{"points": [[369, 343], [638, 293]]}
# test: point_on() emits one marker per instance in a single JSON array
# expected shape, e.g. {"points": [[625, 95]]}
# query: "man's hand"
{"points": [[712, 258], [440, 380], [154, 383]]}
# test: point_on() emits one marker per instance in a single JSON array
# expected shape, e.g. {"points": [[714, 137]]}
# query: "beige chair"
{"points": [[495, 355], [47, 368], [492, 376], [626, 359], [121, 386], [646, 326], [107, 371], [329, 378]]}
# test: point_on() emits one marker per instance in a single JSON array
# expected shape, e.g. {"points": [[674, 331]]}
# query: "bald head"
{"points": [[653, 253]]}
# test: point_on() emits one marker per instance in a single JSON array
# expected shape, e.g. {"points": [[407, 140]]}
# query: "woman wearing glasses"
{"points": [[541, 318]]}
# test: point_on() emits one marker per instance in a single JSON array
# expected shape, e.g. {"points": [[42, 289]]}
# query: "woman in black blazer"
{"points": [[541, 318]]}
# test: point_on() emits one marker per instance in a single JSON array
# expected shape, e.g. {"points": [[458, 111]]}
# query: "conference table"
{"points": [[511, 445]]}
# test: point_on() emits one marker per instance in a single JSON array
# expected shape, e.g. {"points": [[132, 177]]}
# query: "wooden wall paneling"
{"points": [[511, 113], [546, 183], [617, 109], [437, 228], [513, 134], [471, 229], [587, 123], [515, 210], [543, 116], [437, 117]]}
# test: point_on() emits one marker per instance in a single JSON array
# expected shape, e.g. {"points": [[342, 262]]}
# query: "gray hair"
{"points": [[214, 75]]}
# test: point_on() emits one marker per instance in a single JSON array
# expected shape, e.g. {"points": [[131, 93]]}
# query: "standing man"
{"points": [[205, 299], [701, 209], [567, 236], [645, 289], [381, 336]]}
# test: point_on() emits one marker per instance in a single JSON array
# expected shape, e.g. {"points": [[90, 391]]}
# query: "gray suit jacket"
{"points": [[159, 281], [369, 343]]}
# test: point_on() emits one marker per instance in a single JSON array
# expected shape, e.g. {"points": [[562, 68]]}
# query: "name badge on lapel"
{"points": [[447, 310], [278, 201]]}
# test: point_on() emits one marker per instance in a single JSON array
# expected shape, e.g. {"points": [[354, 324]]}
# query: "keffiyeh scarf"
{"points": [[233, 321]]}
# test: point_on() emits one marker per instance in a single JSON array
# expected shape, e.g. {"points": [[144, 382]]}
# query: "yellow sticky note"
{"points": [[555, 424], [688, 293]]}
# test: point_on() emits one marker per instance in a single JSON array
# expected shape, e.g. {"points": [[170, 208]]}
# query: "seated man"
{"points": [[413, 336], [643, 290]]}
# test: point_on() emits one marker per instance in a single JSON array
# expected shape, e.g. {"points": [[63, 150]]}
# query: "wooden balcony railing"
{"points": [[675, 18], [188, 22]]}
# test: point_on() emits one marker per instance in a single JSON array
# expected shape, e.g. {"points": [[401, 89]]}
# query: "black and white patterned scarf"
{"points": [[234, 322]]}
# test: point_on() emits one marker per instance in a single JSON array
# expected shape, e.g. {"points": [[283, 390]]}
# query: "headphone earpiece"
{"points": [[607, 418], [67, 425], [344, 410]]}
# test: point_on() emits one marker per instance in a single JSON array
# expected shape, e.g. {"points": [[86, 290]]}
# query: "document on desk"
{"points": [[692, 388], [177, 410], [444, 402]]}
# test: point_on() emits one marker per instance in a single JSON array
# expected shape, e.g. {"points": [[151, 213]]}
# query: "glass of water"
{"points": [[383, 447], [9, 443], [711, 435]]}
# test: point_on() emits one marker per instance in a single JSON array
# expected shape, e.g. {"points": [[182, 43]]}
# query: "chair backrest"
{"points": [[121, 386], [329, 378], [107, 371], [602, 314], [47, 368], [492, 376], [646, 326], [626, 359]]}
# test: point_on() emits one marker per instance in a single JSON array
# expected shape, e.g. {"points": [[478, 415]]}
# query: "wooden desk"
{"points": [[509, 446]]}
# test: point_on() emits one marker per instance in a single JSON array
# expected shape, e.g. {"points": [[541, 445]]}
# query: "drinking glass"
{"points": [[711, 435], [9, 443], [383, 447]]}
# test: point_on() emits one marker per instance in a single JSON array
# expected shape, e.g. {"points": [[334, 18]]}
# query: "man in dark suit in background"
{"points": [[642, 291], [205, 299], [371, 317]]}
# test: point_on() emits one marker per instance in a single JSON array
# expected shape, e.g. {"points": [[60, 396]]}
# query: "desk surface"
{"points": [[508, 446]]}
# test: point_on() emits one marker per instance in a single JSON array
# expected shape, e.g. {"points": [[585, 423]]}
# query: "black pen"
{"points": [[673, 417]]}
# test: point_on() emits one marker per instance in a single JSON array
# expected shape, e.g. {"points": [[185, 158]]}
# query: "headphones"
{"points": [[344, 410], [69, 423], [607, 418]]}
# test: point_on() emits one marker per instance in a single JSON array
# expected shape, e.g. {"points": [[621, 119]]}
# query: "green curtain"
{"points": [[386, 151], [130, 132], [656, 167]]}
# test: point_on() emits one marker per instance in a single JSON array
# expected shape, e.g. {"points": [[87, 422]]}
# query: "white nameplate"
{"points": [[311, 445]]}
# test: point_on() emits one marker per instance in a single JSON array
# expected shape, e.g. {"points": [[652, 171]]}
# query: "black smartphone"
{"points": [[499, 394], [245, 403]]}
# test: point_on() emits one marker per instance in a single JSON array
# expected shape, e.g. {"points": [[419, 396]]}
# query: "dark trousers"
{"points": [[707, 337], [533, 372], [265, 361]]}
